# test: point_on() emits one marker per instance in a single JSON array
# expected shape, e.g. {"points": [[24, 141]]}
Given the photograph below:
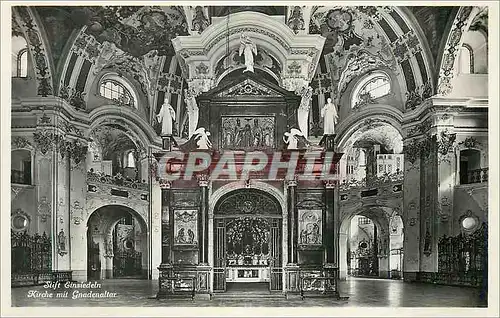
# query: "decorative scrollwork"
{"points": [[250, 201], [445, 142]]}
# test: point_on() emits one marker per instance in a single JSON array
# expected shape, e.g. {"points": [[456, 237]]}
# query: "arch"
{"points": [[37, 45], [448, 55], [380, 218], [233, 199], [230, 187], [228, 73], [466, 59], [137, 128], [384, 113], [105, 224], [101, 204]]}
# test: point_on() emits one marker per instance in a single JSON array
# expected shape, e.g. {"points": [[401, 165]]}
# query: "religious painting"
{"points": [[310, 227], [186, 227], [248, 132]]}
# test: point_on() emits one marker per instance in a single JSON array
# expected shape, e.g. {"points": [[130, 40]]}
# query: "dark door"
{"points": [[93, 261], [275, 261], [219, 256]]}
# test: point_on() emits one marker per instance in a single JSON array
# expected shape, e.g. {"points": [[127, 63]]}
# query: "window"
{"points": [[370, 88], [117, 91], [466, 59], [20, 167], [19, 57]]}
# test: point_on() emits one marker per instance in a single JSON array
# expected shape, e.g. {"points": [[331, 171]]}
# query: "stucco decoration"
{"points": [[296, 19], [451, 50], [44, 209], [33, 35], [20, 142]]}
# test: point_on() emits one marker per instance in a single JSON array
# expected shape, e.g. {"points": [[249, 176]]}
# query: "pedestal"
{"points": [[292, 281], [164, 282], [328, 141], [167, 142], [203, 282]]}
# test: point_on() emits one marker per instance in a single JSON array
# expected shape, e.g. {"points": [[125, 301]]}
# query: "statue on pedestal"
{"points": [[329, 113], [192, 109], [248, 47], [303, 111], [165, 117]]}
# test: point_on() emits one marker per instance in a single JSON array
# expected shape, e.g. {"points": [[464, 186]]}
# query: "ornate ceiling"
{"points": [[405, 40]]}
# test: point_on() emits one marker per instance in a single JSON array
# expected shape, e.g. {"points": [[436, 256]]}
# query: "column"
{"points": [[292, 270], [328, 223], [203, 221], [292, 222], [203, 270]]}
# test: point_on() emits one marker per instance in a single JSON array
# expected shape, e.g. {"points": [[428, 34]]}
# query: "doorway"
{"points": [[248, 245]]}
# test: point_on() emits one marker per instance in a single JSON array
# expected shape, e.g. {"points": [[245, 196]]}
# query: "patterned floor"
{"points": [[361, 292]]}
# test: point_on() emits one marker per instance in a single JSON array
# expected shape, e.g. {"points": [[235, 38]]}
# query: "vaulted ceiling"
{"points": [[140, 29]]}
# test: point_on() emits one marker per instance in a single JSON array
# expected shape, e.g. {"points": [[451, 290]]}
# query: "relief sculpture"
{"points": [[185, 227], [246, 133], [310, 232]]}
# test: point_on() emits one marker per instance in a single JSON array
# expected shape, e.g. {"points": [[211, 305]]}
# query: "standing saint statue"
{"points": [[192, 109], [248, 47], [329, 113], [303, 111], [165, 117]]}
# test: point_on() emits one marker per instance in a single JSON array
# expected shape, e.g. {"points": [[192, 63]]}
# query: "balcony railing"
{"points": [[117, 180], [475, 176]]}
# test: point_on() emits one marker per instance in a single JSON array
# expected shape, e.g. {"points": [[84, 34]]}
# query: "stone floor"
{"points": [[361, 292]]}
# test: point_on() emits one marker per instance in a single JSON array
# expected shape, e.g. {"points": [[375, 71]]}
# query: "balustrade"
{"points": [[476, 176]]}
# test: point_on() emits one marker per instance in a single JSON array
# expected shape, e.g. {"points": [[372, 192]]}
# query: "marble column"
{"points": [[203, 222], [328, 223], [292, 222]]}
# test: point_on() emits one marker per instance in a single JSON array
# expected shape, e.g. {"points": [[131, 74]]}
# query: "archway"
{"points": [[247, 241], [371, 243], [117, 244]]}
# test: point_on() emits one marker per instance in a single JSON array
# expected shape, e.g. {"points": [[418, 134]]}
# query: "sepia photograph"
{"points": [[293, 159]]}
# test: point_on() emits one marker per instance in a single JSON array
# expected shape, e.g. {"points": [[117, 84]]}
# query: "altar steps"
{"points": [[248, 295]]}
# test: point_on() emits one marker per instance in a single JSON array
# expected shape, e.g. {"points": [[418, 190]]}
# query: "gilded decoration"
{"points": [[186, 227], [248, 202], [248, 132], [248, 241], [310, 227]]}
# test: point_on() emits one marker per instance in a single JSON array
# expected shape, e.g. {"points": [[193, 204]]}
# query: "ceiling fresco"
{"points": [[433, 21], [135, 40]]}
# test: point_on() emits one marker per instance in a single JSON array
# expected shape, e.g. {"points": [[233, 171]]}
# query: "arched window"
{"points": [[19, 57], [370, 88], [470, 166], [466, 59], [112, 87]]}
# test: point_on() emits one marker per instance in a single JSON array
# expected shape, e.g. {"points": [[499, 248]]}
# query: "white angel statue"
{"points": [[202, 135], [291, 139], [248, 47]]}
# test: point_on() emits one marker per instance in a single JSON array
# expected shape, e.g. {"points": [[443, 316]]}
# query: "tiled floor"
{"points": [[361, 292]]}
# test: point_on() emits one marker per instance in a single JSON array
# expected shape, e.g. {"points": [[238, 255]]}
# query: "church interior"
{"points": [[394, 98]]}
